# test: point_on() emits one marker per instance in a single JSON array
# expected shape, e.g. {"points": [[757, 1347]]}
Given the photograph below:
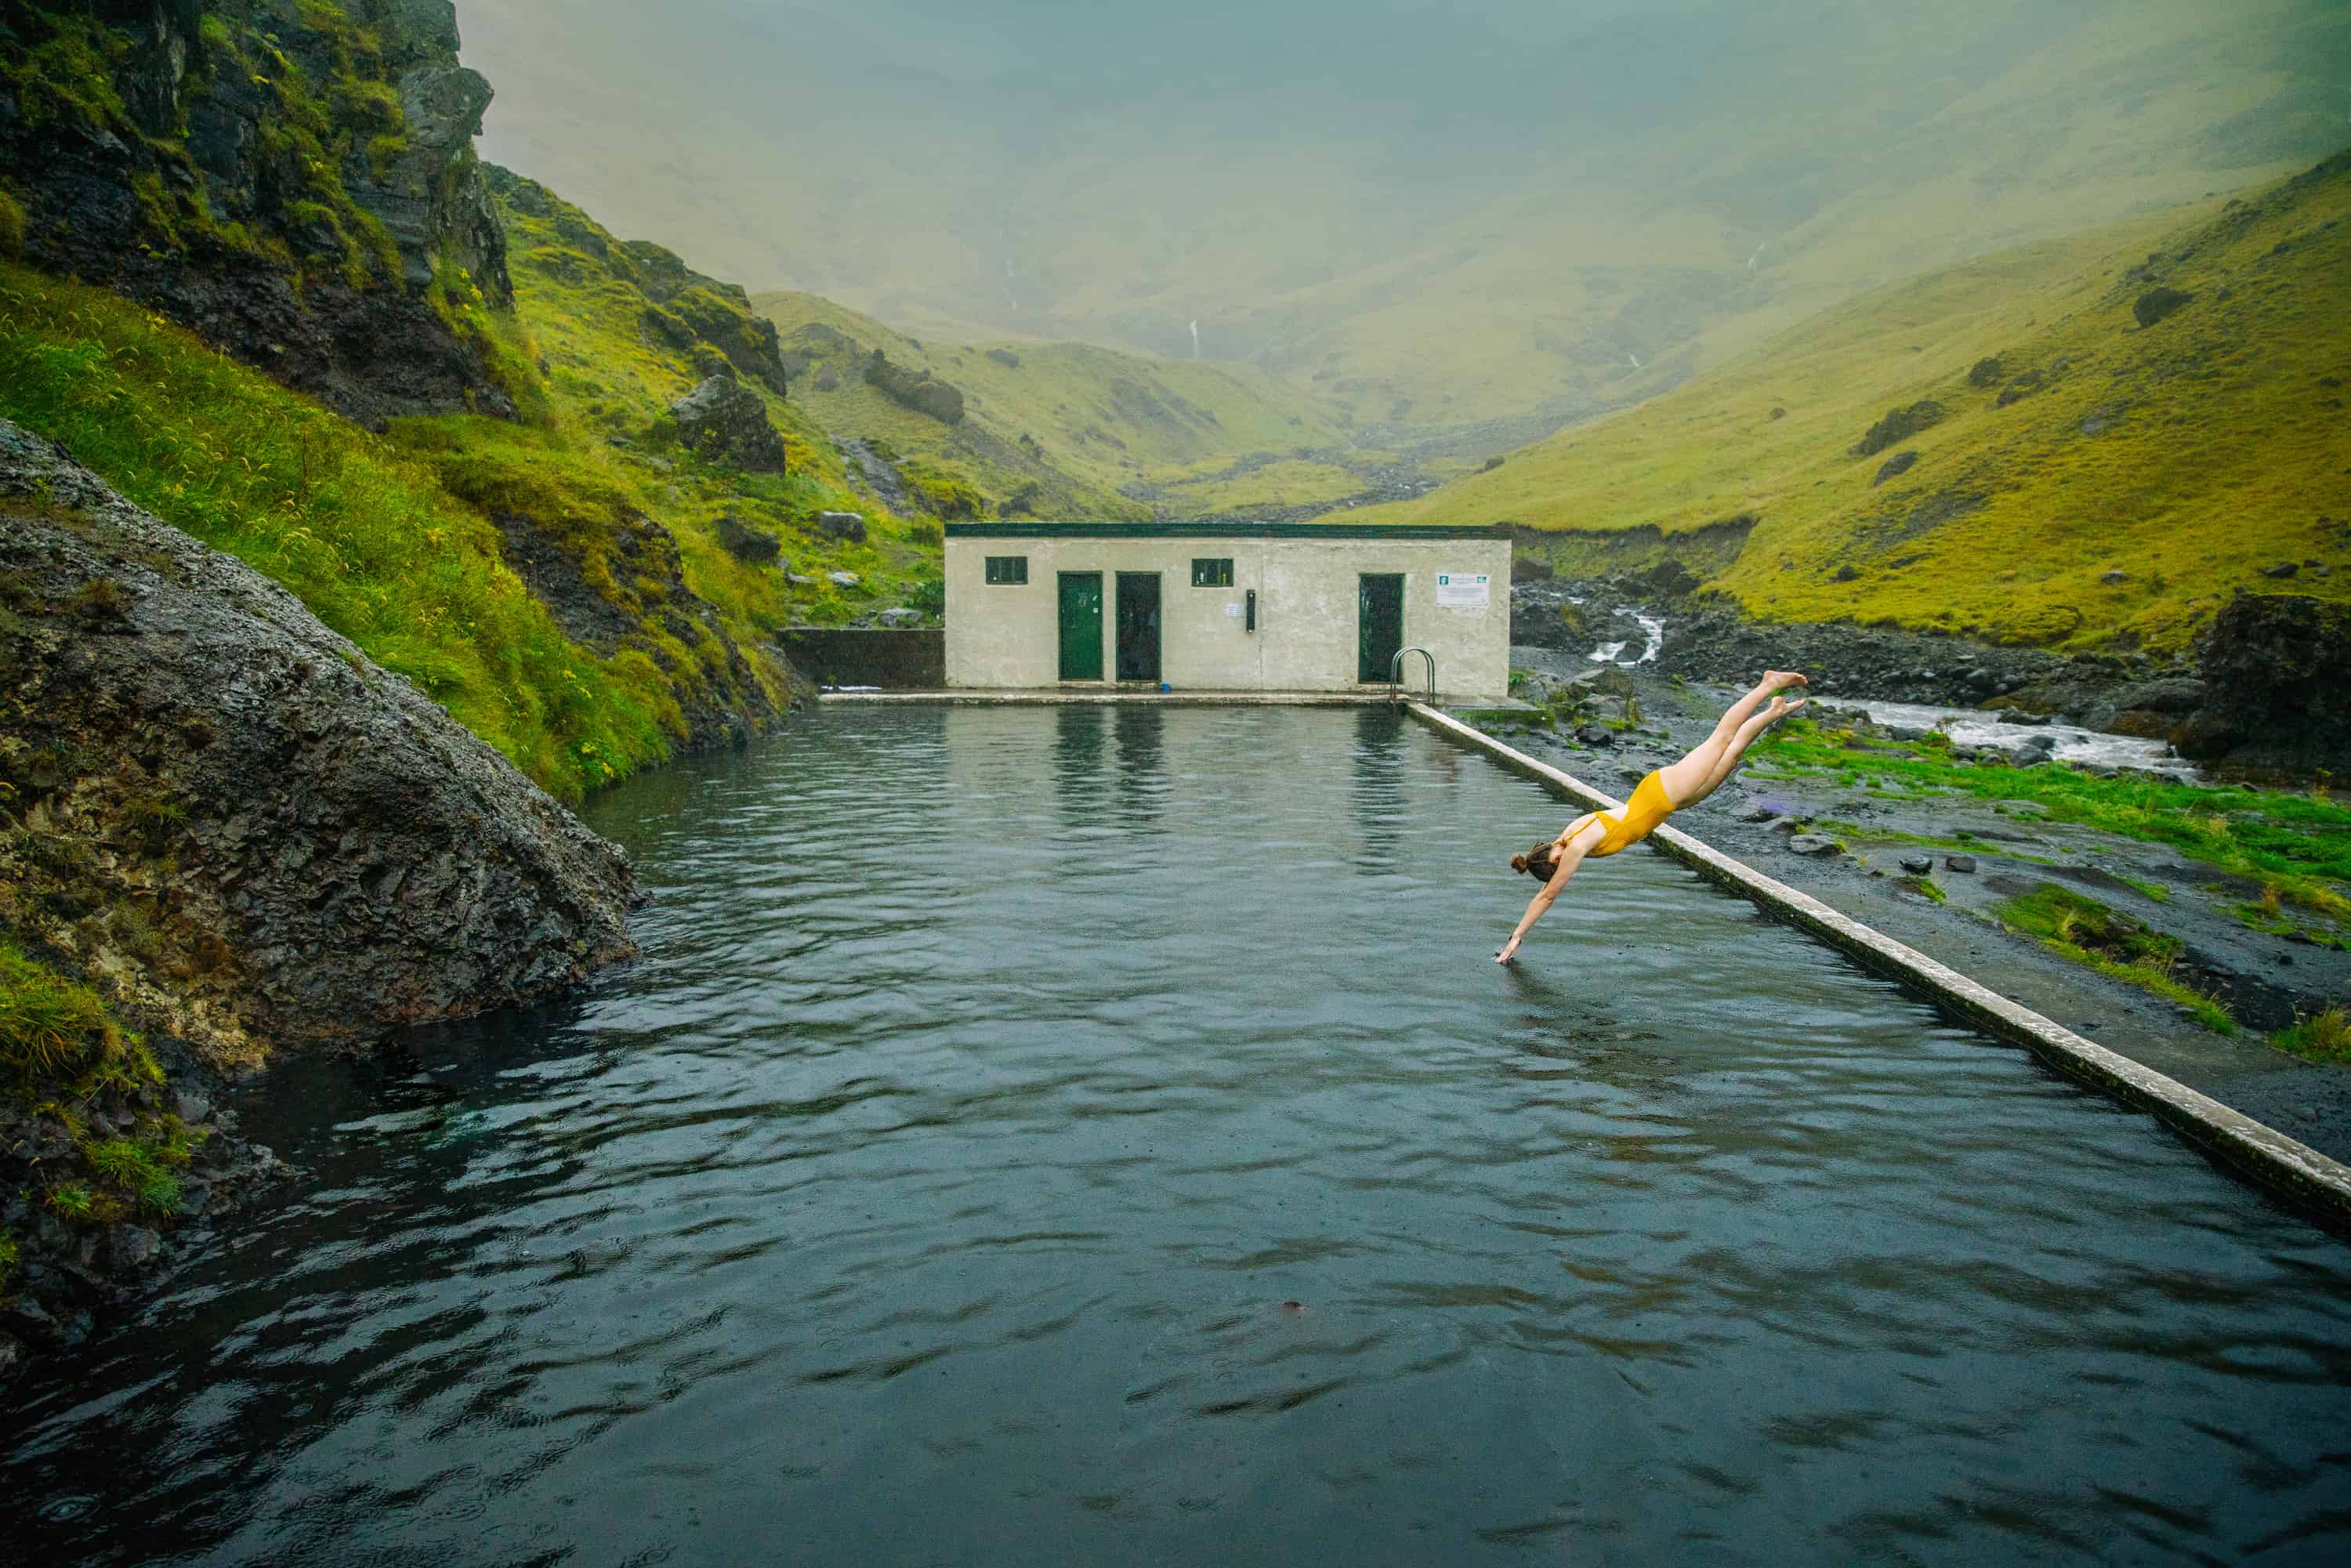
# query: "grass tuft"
{"points": [[2322, 1037]]}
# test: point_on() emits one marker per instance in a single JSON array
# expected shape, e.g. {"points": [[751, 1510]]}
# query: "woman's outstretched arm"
{"points": [[1563, 866]]}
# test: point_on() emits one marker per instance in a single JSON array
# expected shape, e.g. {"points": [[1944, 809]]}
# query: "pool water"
{"points": [[1100, 1135]]}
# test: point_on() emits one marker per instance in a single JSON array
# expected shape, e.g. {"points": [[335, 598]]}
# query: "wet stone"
{"points": [[1813, 845], [1919, 865], [1964, 864]]}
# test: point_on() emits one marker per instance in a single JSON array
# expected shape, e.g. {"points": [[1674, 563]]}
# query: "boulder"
{"points": [[2274, 670], [923, 393], [1815, 846], [1898, 426], [1667, 579], [2022, 387], [324, 854], [843, 579], [724, 420], [1917, 865], [2157, 303], [747, 542], [1894, 467], [900, 615], [1963, 864], [841, 526], [1986, 372]]}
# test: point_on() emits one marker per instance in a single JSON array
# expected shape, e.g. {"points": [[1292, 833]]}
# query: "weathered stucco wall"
{"points": [[1008, 636]]}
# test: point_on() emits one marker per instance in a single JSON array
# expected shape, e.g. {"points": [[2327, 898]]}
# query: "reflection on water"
{"points": [[1032, 1137]]}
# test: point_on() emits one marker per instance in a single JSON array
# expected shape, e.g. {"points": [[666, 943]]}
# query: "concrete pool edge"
{"points": [[2260, 1151]]}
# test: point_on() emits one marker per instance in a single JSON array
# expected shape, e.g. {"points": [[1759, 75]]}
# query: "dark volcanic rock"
{"points": [[194, 200], [1894, 467], [318, 851], [2274, 670], [723, 703], [748, 541], [920, 393], [2157, 303], [724, 419], [1898, 426], [1667, 579]]}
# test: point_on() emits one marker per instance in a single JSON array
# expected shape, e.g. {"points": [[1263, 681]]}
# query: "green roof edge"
{"points": [[1229, 530]]}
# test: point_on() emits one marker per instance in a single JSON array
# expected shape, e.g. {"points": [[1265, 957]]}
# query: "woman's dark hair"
{"points": [[1537, 861]]}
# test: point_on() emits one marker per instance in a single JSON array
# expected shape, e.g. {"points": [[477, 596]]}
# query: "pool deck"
{"points": [[2258, 1150]]}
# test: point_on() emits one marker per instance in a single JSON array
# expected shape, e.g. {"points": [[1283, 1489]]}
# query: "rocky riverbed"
{"points": [[2263, 693], [1872, 852]]}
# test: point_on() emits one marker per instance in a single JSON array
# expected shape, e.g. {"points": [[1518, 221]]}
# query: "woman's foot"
{"points": [[1780, 680], [1781, 707]]}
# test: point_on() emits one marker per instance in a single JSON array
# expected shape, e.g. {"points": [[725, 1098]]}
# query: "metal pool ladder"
{"points": [[1395, 675]]}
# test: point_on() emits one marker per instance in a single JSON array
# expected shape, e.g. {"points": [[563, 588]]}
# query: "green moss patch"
{"points": [[68, 1062], [2110, 941], [2298, 842]]}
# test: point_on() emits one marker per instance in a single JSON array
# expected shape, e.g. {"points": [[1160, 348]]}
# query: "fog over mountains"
{"points": [[1432, 215]]}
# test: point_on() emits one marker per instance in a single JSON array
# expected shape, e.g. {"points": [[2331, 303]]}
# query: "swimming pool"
{"points": [[936, 1187]]}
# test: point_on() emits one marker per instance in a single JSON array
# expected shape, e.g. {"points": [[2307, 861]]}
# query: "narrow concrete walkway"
{"points": [[2260, 1151]]}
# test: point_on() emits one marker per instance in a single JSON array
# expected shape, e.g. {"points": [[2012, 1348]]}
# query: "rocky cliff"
{"points": [[255, 835], [293, 178]]}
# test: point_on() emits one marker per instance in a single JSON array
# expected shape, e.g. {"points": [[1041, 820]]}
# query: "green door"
{"points": [[1082, 625], [1379, 623]]}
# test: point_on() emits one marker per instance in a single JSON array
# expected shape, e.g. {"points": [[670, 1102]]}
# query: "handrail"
{"points": [[1395, 675]]}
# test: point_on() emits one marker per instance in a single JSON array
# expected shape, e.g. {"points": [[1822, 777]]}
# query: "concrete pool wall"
{"points": [[2260, 1151]]}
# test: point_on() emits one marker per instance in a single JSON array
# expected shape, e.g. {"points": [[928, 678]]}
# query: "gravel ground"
{"points": [[2265, 979]]}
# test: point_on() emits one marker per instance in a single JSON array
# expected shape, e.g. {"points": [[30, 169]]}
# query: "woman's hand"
{"points": [[1508, 949]]}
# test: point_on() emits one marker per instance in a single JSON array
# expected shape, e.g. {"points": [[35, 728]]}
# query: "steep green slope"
{"points": [[1062, 429], [2090, 478], [624, 330]]}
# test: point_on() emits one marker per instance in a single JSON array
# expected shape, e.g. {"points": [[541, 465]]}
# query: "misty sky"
{"points": [[1330, 184]]}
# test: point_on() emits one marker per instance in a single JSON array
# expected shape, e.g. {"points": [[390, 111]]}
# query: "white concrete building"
{"points": [[1274, 607]]}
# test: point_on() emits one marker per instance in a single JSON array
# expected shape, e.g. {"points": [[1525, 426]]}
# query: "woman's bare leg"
{"points": [[1687, 780], [1748, 732]]}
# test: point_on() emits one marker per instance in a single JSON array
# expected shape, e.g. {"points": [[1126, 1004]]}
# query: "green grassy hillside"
{"points": [[2091, 480], [392, 539], [1071, 429]]}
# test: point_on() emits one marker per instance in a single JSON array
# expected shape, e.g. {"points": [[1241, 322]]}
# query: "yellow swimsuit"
{"points": [[1649, 806]]}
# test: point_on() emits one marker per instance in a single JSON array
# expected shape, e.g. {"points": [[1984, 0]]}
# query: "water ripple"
{"points": [[1092, 1135]]}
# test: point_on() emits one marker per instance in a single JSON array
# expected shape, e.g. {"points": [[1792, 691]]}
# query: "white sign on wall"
{"points": [[1464, 590]]}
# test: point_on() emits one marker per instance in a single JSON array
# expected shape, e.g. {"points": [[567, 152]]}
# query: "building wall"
{"points": [[1001, 636]]}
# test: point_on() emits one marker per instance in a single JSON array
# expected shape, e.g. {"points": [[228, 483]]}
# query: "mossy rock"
{"points": [[2157, 303], [747, 541], [1898, 426]]}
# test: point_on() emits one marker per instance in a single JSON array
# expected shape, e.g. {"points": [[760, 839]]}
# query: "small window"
{"points": [[1010, 569], [1212, 571]]}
